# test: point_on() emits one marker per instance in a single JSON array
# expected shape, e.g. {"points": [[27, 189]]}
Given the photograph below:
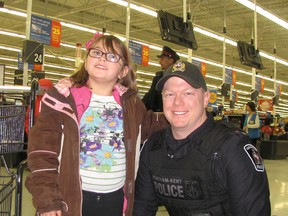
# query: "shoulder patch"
{"points": [[255, 157]]}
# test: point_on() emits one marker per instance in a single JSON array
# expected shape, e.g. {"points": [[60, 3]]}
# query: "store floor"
{"points": [[278, 180]]}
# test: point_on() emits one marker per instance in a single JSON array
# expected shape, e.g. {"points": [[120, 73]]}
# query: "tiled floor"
{"points": [[278, 180]]}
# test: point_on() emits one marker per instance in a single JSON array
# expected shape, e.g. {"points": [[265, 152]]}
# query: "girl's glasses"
{"points": [[111, 57]]}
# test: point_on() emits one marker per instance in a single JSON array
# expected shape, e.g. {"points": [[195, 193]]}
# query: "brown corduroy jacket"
{"points": [[54, 150]]}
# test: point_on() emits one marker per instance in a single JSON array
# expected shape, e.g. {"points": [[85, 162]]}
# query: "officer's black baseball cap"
{"points": [[185, 70], [167, 51]]}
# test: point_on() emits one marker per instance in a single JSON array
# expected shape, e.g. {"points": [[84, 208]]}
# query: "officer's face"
{"points": [[165, 62], [184, 106]]}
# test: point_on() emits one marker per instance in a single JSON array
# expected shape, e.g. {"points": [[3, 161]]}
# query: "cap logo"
{"points": [[179, 66]]}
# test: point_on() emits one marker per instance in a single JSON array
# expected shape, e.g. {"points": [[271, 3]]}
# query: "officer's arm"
{"points": [[145, 203], [246, 179]]}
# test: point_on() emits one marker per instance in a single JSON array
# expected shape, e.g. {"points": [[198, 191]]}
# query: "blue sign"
{"points": [[139, 53], [136, 52], [40, 29], [228, 76], [20, 63]]}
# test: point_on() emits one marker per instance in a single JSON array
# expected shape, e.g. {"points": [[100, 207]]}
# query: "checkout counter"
{"points": [[275, 148]]}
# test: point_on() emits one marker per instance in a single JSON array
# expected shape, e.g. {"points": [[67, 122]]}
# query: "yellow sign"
{"points": [[213, 97]]}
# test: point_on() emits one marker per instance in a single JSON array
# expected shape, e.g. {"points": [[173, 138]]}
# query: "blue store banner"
{"points": [[228, 76], [45, 31], [139, 53]]}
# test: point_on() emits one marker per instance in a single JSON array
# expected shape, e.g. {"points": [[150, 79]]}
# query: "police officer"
{"points": [[197, 166], [153, 99]]}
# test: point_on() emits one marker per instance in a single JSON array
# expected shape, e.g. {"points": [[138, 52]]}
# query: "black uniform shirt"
{"points": [[244, 178]]}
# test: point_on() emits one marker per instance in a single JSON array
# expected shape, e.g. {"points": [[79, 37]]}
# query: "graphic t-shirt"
{"points": [[102, 151]]}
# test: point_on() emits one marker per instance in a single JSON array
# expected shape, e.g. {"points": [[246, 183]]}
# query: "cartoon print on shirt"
{"points": [[109, 113]]}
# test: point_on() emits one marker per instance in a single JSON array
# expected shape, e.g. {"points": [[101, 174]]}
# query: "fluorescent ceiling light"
{"points": [[154, 64], [60, 67], [144, 87], [146, 81], [135, 7], [145, 73], [15, 88], [263, 12], [10, 49], [243, 84], [17, 13], [12, 34], [144, 10], [213, 77], [69, 46], [81, 28], [209, 33], [8, 59], [11, 67], [60, 57], [57, 74]]}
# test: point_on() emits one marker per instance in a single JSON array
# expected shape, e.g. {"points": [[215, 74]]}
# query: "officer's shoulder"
{"points": [[228, 128], [156, 139]]}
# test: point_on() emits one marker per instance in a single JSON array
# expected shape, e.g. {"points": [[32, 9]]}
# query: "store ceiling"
{"points": [[211, 15]]}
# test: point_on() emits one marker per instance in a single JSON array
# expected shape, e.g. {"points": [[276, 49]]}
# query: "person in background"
{"points": [[43, 86], [251, 123], [153, 99], [198, 166], [83, 151]]}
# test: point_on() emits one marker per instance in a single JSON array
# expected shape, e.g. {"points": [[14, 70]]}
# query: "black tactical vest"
{"points": [[195, 184]]}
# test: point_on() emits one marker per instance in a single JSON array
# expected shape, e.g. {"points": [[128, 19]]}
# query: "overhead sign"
{"points": [[32, 52], [45, 31], [201, 66], [265, 105], [213, 97], [230, 76], [139, 53]]}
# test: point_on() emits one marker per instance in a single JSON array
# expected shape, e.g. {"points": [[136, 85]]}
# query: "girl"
{"points": [[83, 150]]}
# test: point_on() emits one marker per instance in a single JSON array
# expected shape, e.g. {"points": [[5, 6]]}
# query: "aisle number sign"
{"points": [[45, 31]]}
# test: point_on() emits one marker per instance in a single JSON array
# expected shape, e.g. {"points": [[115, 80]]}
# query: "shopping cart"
{"points": [[6, 192], [12, 124]]}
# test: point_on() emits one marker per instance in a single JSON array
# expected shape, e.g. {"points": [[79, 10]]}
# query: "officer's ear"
{"points": [[206, 97]]}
